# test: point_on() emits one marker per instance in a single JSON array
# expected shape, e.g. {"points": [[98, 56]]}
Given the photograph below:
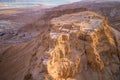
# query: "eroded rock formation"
{"points": [[84, 47], [64, 63]]}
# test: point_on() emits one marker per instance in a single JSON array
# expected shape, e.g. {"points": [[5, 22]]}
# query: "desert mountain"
{"points": [[76, 41]]}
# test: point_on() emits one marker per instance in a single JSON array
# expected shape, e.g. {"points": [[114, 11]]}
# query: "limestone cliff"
{"points": [[85, 48]]}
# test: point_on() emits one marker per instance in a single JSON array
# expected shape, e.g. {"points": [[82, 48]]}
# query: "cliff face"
{"points": [[85, 47], [64, 63]]}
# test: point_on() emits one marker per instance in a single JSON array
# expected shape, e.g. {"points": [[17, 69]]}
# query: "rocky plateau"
{"points": [[78, 41]]}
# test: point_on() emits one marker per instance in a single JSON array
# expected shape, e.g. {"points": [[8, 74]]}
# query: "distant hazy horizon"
{"points": [[5, 4]]}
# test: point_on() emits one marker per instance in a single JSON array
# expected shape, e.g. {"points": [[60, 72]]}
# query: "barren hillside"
{"points": [[75, 42]]}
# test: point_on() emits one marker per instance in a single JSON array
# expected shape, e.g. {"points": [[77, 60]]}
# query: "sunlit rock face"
{"points": [[84, 46], [64, 63]]}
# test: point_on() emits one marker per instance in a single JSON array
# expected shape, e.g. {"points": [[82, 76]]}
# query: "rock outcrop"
{"points": [[64, 63], [85, 45]]}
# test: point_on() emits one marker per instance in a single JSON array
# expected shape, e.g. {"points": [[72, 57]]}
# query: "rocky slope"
{"points": [[74, 44]]}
